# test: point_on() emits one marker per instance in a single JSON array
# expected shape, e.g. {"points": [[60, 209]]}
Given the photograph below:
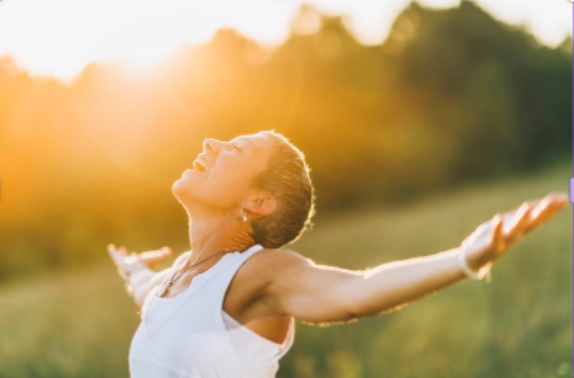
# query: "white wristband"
{"points": [[463, 264]]}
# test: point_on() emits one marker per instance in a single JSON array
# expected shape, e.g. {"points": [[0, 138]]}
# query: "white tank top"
{"points": [[190, 335]]}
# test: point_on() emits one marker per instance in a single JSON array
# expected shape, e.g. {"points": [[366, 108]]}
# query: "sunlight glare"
{"points": [[145, 41], [60, 37]]}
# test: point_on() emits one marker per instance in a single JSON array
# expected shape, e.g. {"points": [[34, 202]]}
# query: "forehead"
{"points": [[258, 141]]}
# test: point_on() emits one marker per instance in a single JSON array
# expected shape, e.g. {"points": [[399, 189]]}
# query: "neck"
{"points": [[209, 232]]}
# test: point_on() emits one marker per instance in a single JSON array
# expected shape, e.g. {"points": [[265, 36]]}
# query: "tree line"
{"points": [[450, 96]]}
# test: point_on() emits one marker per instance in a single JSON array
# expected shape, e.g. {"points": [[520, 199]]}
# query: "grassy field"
{"points": [[79, 324]]}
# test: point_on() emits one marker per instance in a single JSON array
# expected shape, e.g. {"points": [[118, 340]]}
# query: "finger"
{"points": [[118, 256], [113, 251], [119, 252], [481, 232], [507, 220], [553, 200], [118, 260], [155, 257], [483, 228], [507, 216], [160, 253], [496, 239], [562, 197], [546, 209], [520, 220]]}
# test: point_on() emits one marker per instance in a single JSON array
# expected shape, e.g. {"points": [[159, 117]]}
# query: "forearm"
{"points": [[143, 279], [135, 269], [141, 282], [394, 284]]}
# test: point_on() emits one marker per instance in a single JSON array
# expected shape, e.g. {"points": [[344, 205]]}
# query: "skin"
{"points": [[274, 285]]}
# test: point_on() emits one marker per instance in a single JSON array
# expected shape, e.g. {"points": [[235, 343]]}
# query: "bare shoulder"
{"points": [[252, 283], [263, 267], [270, 262]]}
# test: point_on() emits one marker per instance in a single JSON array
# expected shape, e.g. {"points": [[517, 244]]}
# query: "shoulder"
{"points": [[254, 280], [267, 265], [181, 258], [274, 261]]}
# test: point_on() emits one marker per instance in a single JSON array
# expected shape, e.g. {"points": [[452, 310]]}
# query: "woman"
{"points": [[227, 308]]}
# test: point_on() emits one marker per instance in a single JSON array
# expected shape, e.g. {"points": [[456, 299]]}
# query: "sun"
{"points": [[60, 37], [144, 41]]}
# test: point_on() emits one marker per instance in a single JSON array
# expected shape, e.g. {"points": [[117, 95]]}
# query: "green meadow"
{"points": [[79, 323]]}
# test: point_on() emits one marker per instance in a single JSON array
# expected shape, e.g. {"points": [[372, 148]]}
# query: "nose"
{"points": [[212, 145]]}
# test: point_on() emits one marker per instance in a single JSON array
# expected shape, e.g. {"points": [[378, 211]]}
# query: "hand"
{"points": [[127, 263], [495, 237]]}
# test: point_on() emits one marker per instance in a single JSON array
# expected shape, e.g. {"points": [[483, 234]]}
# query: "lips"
{"points": [[200, 164]]}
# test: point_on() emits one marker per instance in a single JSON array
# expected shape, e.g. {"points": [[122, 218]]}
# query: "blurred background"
{"points": [[419, 121]]}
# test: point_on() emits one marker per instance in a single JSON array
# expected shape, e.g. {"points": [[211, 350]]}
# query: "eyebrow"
{"points": [[246, 140]]}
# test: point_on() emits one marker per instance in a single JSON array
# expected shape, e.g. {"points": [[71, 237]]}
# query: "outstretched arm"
{"points": [[136, 270], [317, 294]]}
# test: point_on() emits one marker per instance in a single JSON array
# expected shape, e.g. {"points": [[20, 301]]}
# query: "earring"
{"points": [[243, 217]]}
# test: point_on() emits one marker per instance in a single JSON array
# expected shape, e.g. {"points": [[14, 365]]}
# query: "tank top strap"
{"points": [[227, 270], [206, 291]]}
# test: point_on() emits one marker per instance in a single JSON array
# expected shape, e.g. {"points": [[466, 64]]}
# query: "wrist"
{"points": [[133, 265], [473, 269]]}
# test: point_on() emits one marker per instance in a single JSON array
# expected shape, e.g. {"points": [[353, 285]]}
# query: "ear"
{"points": [[261, 203]]}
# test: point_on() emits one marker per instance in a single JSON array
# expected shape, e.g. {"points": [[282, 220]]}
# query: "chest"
{"points": [[242, 299]]}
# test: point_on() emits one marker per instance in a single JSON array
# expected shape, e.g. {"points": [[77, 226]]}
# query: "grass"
{"points": [[79, 324]]}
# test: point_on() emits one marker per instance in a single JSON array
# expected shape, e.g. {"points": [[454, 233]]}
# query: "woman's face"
{"points": [[221, 176]]}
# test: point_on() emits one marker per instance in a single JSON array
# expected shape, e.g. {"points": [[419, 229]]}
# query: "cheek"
{"points": [[227, 190], [231, 178]]}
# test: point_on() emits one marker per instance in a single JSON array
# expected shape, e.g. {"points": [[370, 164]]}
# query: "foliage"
{"points": [[452, 95]]}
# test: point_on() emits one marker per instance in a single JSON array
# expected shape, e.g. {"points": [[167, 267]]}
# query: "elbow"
{"points": [[351, 316], [358, 311], [357, 306], [366, 311]]}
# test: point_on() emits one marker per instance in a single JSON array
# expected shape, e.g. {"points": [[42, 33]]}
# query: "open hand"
{"points": [[126, 262], [495, 237]]}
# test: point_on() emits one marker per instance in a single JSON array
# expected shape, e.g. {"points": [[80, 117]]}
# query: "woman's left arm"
{"points": [[317, 294], [136, 270]]}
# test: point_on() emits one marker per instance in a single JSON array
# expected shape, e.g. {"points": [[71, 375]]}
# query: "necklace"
{"points": [[164, 288]]}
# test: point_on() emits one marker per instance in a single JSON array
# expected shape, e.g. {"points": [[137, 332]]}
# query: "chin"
{"points": [[185, 192], [180, 189]]}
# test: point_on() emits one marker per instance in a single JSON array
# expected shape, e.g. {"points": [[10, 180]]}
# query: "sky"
{"points": [[60, 37]]}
